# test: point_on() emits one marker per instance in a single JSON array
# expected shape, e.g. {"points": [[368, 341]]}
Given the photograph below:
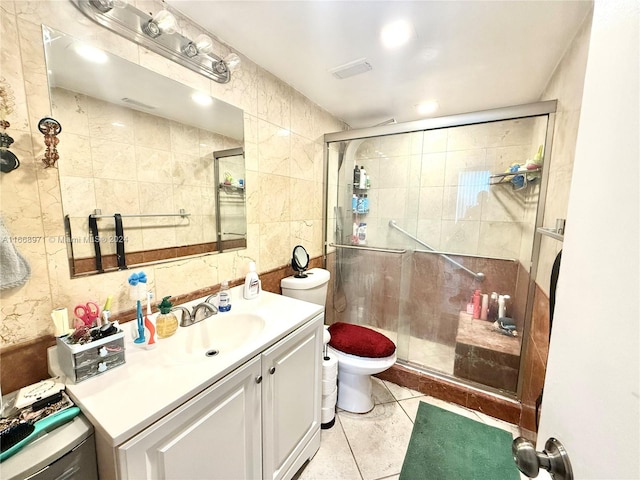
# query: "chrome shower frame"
{"points": [[547, 108]]}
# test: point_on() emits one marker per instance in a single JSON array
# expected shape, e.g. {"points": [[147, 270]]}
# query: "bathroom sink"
{"points": [[218, 334], [227, 331]]}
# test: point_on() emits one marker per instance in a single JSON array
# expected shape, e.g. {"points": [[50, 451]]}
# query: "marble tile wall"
{"points": [[434, 185], [282, 170], [566, 84], [149, 164], [371, 292]]}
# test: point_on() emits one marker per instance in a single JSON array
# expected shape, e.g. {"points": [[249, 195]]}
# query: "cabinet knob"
{"points": [[259, 379], [272, 370]]}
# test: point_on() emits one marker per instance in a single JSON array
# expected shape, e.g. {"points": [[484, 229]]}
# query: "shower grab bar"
{"points": [[469, 255], [478, 276], [373, 249]]}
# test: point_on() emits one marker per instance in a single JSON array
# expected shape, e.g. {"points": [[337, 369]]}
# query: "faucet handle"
{"points": [[185, 319]]}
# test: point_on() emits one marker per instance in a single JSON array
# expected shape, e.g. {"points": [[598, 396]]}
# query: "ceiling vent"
{"points": [[351, 69], [131, 101]]}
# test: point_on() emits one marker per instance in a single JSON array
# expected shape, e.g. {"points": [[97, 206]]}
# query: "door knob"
{"points": [[259, 379], [554, 459], [272, 370]]}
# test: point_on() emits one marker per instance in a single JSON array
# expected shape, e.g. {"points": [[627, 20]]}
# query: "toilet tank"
{"points": [[312, 289]]}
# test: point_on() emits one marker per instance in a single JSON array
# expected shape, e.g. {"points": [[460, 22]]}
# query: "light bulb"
{"points": [[396, 34], [203, 43], [428, 107], [166, 22], [232, 61], [161, 22]]}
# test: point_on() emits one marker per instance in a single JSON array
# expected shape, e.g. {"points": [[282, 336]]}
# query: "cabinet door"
{"points": [[291, 395], [216, 435]]}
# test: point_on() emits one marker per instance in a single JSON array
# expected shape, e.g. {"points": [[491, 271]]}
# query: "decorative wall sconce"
{"points": [[50, 128], [159, 34], [8, 161]]}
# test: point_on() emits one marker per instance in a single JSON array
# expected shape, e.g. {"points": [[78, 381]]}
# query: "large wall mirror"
{"points": [[150, 169]]}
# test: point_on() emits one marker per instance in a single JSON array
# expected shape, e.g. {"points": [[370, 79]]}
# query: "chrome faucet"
{"points": [[209, 310], [185, 319], [200, 312]]}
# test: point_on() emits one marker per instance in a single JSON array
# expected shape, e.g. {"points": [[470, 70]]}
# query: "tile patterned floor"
{"points": [[372, 446]]}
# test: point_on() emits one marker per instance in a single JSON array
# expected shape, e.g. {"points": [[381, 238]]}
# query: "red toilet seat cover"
{"points": [[360, 341]]}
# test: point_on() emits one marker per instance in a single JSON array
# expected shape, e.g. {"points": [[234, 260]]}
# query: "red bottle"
{"points": [[477, 299]]}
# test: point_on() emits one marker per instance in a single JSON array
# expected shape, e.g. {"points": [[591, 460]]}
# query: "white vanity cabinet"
{"points": [[291, 396], [260, 421], [216, 435]]}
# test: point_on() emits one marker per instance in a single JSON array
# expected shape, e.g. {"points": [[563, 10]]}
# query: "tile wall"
{"points": [[281, 170], [434, 185], [153, 165]]}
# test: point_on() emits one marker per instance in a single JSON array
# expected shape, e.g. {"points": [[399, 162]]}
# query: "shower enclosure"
{"points": [[447, 218]]}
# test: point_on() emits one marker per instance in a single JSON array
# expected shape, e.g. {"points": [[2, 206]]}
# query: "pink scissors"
{"points": [[88, 313]]}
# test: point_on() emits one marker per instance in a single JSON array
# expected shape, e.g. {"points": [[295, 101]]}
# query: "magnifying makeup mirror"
{"points": [[300, 261]]}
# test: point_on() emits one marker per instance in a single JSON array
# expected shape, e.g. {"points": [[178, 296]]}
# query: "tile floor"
{"points": [[372, 446]]}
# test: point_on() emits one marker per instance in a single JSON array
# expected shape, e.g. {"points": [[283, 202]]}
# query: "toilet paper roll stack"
{"points": [[329, 389]]}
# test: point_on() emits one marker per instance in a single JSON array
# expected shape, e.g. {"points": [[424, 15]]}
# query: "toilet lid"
{"points": [[360, 341]]}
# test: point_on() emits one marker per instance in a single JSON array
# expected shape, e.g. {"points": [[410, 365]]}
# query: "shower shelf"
{"points": [[503, 176], [231, 189], [550, 232]]}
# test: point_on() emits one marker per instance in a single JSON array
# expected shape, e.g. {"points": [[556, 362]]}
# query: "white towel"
{"points": [[14, 269]]}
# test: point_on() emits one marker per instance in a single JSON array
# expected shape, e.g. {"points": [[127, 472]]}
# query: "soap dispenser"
{"points": [[166, 322], [251, 283]]}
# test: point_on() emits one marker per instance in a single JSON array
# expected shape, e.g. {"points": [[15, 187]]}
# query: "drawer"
{"points": [[94, 354], [102, 365]]}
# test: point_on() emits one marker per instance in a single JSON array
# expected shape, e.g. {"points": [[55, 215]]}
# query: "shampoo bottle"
{"points": [[251, 283], [363, 177], [476, 300]]}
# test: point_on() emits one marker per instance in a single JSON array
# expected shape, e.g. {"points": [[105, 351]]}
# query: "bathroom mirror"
{"points": [[300, 261], [138, 161]]}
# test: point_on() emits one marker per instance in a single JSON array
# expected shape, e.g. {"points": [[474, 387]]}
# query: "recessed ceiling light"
{"points": [[428, 107], [90, 53], [202, 98], [396, 34]]}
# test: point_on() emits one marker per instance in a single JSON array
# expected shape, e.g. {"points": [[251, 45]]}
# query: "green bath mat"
{"points": [[447, 446]]}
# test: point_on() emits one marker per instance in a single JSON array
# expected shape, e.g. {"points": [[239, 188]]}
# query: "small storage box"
{"points": [[80, 362]]}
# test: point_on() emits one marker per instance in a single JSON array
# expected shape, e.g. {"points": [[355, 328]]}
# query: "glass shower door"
{"points": [[446, 219]]}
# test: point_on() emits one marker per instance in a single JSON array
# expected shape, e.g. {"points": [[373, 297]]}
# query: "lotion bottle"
{"points": [[251, 283]]}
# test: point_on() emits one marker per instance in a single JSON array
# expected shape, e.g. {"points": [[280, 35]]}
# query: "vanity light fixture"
{"points": [[201, 45], [159, 34], [162, 23]]}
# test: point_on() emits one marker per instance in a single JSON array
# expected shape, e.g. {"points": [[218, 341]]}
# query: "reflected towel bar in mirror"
{"points": [[182, 213]]}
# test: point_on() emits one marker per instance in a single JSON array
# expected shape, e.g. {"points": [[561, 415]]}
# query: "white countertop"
{"points": [[123, 401]]}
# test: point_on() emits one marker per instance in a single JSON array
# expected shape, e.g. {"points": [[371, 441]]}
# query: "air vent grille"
{"points": [[351, 69], [131, 101]]}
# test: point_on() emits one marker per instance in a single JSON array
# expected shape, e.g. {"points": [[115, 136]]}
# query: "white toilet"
{"points": [[354, 370]]}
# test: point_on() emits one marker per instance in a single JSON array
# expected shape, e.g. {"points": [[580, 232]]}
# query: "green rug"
{"points": [[447, 446]]}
